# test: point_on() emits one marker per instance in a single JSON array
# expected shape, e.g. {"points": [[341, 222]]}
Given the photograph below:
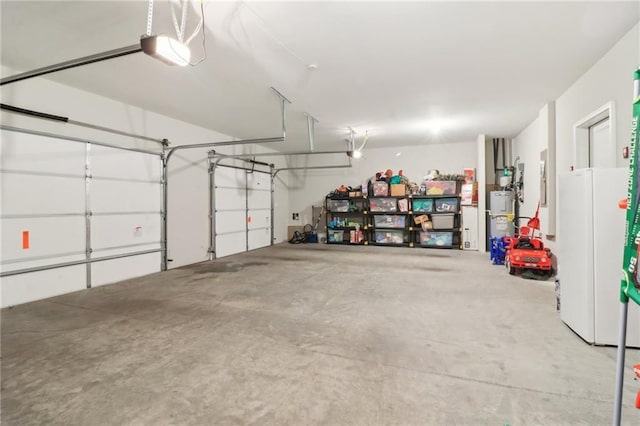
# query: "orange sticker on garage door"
{"points": [[249, 219], [25, 240]]}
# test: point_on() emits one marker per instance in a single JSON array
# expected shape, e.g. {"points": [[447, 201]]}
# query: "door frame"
{"points": [[581, 134]]}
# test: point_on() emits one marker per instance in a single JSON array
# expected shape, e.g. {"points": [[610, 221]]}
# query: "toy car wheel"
{"points": [[512, 271]]}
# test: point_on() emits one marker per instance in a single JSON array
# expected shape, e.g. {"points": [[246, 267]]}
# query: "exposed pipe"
{"points": [[46, 116], [73, 63], [504, 154], [495, 160]]}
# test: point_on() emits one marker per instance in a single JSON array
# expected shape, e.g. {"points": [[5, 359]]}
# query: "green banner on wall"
{"points": [[631, 282]]}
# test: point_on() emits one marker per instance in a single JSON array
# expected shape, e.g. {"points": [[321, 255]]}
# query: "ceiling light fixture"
{"points": [[166, 49]]}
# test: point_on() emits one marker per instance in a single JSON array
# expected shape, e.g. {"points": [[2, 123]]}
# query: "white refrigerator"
{"points": [[591, 242]]}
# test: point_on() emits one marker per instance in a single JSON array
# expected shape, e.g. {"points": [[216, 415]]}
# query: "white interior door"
{"points": [[599, 144]]}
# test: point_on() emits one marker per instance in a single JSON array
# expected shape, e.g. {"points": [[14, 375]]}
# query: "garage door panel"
{"points": [[259, 238], [41, 154], [227, 177], [230, 222], [229, 244], [43, 262], [227, 198], [17, 289], [49, 236], [115, 196], [259, 181], [44, 191], [29, 194], [112, 271], [125, 230], [242, 201], [259, 199], [115, 163], [259, 219]]}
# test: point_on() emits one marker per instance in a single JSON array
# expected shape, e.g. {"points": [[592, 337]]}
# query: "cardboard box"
{"points": [[420, 219], [469, 175], [469, 194], [398, 190], [427, 225]]}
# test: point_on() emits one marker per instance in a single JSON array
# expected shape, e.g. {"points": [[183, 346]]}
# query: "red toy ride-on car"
{"points": [[527, 252]]}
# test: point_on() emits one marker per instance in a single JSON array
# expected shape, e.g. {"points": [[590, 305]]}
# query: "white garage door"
{"points": [[242, 210], [74, 215]]}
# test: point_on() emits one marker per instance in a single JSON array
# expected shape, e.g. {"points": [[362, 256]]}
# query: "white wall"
{"points": [[610, 79], [308, 188], [188, 209], [528, 145]]}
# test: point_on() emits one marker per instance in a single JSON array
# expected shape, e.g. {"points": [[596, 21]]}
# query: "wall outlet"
{"points": [[137, 231], [295, 216]]}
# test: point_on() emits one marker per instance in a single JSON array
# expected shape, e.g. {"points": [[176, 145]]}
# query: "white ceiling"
{"points": [[391, 68]]}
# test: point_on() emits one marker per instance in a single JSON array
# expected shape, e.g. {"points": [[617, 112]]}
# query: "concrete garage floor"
{"points": [[309, 334]]}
